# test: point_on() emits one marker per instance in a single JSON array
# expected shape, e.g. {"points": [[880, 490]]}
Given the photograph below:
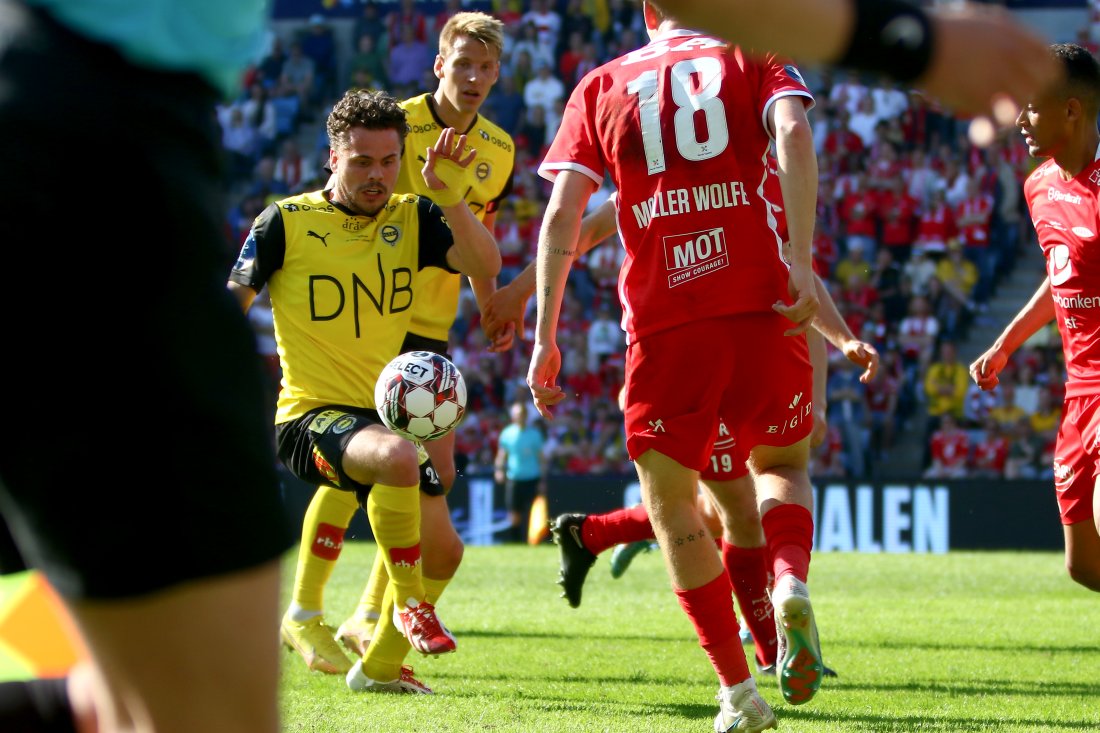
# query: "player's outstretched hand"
{"points": [[986, 62], [445, 167], [506, 305], [501, 337], [865, 355], [803, 289], [542, 376], [986, 369]]}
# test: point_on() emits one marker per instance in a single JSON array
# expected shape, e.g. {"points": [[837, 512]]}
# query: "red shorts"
{"points": [[727, 458], [679, 381], [1076, 457]]}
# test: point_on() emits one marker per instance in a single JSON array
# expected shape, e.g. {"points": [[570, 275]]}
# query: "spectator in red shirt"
{"points": [[840, 141], [858, 212], [859, 295], [827, 460], [897, 218], [826, 252], [936, 224], [950, 450], [991, 452], [571, 58], [884, 167], [880, 398], [974, 217]]}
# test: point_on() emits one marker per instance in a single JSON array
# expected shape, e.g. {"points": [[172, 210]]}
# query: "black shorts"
{"points": [[520, 495], [138, 453], [414, 342], [312, 448]]}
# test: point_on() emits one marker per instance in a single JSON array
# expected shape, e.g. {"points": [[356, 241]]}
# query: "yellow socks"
{"points": [[327, 518]]}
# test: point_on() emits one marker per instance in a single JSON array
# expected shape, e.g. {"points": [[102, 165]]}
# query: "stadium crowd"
{"points": [[916, 228]]}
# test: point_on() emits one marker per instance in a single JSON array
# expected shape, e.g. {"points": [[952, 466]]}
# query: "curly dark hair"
{"points": [[364, 108]]}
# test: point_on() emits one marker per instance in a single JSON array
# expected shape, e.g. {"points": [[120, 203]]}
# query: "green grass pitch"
{"points": [[992, 642]]}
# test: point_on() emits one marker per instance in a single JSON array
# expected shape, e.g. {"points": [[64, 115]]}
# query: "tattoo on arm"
{"points": [[562, 252]]}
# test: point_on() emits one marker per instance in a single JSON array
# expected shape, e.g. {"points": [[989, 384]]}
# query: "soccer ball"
{"points": [[421, 395]]}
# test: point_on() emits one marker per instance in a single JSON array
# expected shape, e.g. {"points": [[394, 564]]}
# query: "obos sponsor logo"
{"points": [[294, 208]]}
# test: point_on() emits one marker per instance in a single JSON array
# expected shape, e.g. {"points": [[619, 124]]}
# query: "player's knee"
{"points": [[443, 557], [400, 464], [446, 475], [453, 555]]}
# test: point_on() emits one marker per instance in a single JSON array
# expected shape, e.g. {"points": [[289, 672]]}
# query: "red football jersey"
{"points": [[1066, 216], [680, 127], [950, 449]]}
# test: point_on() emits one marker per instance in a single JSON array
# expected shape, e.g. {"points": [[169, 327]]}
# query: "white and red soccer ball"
{"points": [[421, 395]]}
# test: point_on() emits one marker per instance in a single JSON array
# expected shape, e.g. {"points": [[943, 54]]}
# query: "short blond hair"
{"points": [[476, 25]]}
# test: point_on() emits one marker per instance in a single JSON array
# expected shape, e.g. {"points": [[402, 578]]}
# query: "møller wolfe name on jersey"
{"points": [[692, 254]]}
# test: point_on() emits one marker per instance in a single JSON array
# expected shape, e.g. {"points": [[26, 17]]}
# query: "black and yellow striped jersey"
{"points": [[490, 183], [342, 288]]}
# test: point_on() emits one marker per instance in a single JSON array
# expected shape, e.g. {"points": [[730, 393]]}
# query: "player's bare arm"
{"points": [[560, 229], [819, 360], [797, 168], [1036, 313], [509, 303], [500, 336], [972, 57], [832, 326], [244, 294]]}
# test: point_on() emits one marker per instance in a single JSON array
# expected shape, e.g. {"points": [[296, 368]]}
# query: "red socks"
{"points": [[710, 609], [790, 532], [620, 527], [748, 571]]}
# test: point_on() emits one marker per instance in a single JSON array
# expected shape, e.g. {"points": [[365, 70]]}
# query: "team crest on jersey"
{"points": [[482, 171], [390, 234], [1094, 177]]}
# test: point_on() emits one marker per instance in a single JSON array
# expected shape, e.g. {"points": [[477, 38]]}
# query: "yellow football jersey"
{"points": [[491, 181], [342, 290]]}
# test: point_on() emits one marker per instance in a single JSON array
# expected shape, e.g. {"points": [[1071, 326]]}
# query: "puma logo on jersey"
{"points": [[318, 236]]}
